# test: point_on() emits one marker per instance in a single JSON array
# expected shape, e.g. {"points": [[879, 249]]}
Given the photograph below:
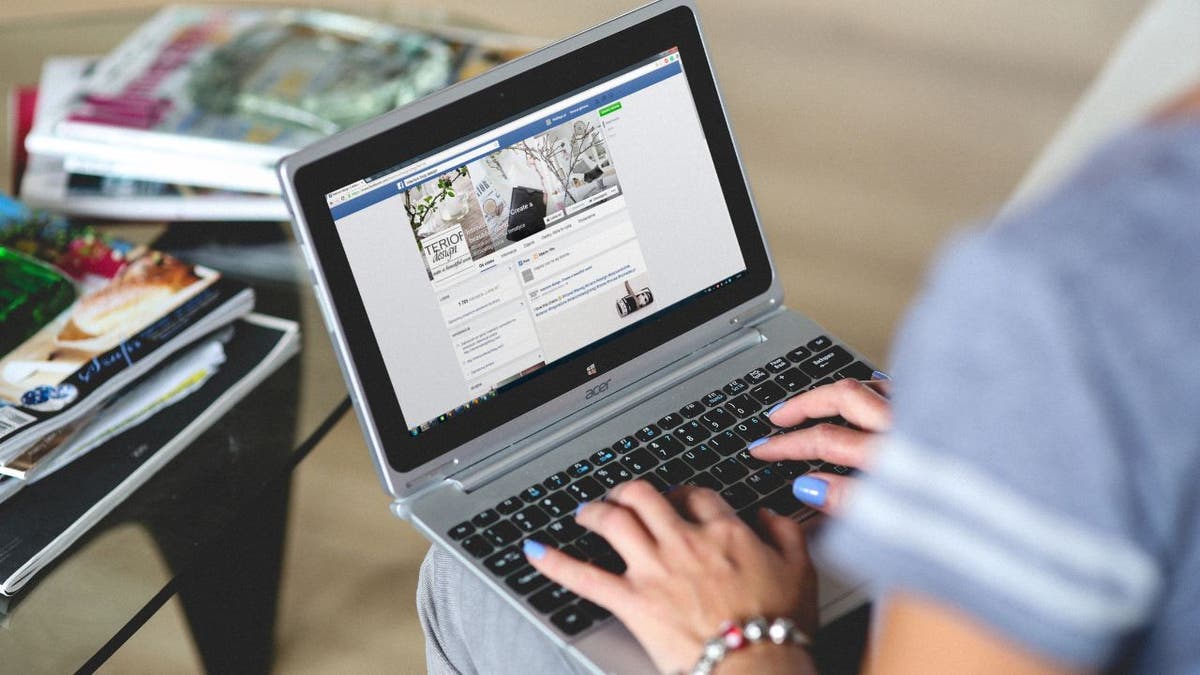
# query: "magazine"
{"points": [[236, 89], [71, 500], [85, 315]]}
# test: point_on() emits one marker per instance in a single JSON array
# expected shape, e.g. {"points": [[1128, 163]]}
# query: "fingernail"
{"points": [[579, 508], [771, 511], [775, 407], [880, 375], [533, 550], [757, 443], [811, 491], [671, 488]]}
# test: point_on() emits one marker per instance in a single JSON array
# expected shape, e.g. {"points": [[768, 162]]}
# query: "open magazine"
{"points": [[39, 522], [85, 315], [235, 89]]}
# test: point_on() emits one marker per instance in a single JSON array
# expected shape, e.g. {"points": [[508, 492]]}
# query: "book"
{"points": [[42, 520], [85, 315], [233, 90]]}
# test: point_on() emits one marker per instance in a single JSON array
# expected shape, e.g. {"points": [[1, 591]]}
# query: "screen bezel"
{"points": [[516, 95]]}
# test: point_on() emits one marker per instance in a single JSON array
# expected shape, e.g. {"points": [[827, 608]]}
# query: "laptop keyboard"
{"points": [[703, 443]]}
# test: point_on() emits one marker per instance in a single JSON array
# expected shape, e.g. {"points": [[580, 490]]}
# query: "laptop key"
{"points": [[551, 598], [726, 443], [705, 479], [826, 363], [752, 429], [790, 469], [717, 419], [798, 354], [647, 433], [734, 388], [674, 472], [612, 564], [602, 457], [571, 620], [460, 530], [580, 468], [585, 489], [692, 409], [557, 481], [625, 444], [670, 420], [658, 483], [714, 398], [857, 371], [510, 505], [691, 433], [565, 530], [728, 471], [505, 561], [738, 495], [765, 480], [594, 546], [526, 581], [593, 610], [476, 545], [768, 393], [533, 493], [502, 533], [756, 376], [819, 344], [611, 477], [573, 551], [778, 365], [749, 461], [557, 504], [700, 457], [742, 406], [664, 447], [782, 501], [485, 518], [531, 519], [793, 380], [639, 461]]}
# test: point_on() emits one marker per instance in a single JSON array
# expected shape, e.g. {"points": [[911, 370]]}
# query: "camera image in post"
{"points": [[633, 300]]}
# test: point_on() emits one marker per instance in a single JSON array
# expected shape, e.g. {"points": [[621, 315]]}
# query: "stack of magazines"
{"points": [[113, 356], [187, 117]]}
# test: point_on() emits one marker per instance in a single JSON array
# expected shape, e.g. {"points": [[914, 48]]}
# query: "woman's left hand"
{"points": [[692, 565]]}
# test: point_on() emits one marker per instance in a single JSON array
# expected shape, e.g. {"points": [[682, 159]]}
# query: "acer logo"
{"points": [[597, 390]]}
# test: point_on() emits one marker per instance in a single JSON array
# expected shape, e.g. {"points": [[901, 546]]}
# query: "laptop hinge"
{"points": [[535, 445]]}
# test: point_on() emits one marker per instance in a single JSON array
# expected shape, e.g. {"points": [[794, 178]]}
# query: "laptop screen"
{"points": [[536, 239]]}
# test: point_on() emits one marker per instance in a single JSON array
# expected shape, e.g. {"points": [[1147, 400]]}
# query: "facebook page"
{"points": [[481, 264]]}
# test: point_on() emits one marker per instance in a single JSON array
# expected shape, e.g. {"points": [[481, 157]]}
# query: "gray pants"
{"points": [[470, 629]]}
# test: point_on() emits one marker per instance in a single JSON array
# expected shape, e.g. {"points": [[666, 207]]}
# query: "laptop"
{"points": [[551, 279]]}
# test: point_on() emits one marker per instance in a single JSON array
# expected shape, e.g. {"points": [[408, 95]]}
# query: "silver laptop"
{"points": [[546, 281]]}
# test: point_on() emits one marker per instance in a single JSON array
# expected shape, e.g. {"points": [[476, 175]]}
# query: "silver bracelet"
{"points": [[732, 637]]}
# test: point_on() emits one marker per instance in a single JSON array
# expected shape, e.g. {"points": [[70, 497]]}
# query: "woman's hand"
{"points": [[862, 404], [692, 565]]}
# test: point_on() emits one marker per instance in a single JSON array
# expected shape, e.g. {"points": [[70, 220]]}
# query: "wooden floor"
{"points": [[870, 130]]}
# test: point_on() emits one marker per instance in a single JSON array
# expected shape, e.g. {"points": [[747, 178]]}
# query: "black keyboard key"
{"points": [[756, 376], [798, 354], [692, 409], [728, 471], [664, 447], [857, 371], [778, 365], [700, 457], [526, 581], [580, 468], [625, 444], [670, 420], [485, 518], [658, 483], [565, 530], [734, 388], [594, 546], [714, 398], [705, 479], [793, 380], [674, 472], [692, 432], [611, 477], [502, 533], [790, 469], [726, 443], [573, 551], [742, 406], [557, 481], [822, 382], [460, 530], [558, 504], [639, 461], [738, 496], [571, 620], [717, 419], [602, 457], [510, 505], [533, 493], [819, 344], [768, 393], [647, 433], [752, 428], [593, 610], [826, 363], [585, 489], [749, 461], [551, 598], [476, 545], [765, 480], [612, 564], [782, 501], [505, 562]]}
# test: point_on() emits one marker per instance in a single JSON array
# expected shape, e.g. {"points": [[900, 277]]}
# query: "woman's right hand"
{"points": [[863, 404]]}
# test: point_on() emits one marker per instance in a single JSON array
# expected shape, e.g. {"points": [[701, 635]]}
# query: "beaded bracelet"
{"points": [[732, 637]]}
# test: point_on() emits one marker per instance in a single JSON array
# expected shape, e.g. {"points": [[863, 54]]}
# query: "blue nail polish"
{"points": [[757, 443], [775, 408], [533, 549], [671, 488], [579, 508], [811, 491], [880, 375]]}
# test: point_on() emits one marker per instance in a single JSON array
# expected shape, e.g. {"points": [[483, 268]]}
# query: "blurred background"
{"points": [[870, 130]]}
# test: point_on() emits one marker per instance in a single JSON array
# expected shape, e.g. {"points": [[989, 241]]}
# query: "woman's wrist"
{"points": [[768, 659], [759, 635]]}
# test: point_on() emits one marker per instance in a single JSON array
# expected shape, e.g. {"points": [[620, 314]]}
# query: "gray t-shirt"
{"points": [[1044, 471]]}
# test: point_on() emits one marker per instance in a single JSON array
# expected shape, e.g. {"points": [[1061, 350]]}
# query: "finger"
{"points": [[621, 528], [883, 387], [860, 404], [826, 442], [657, 515], [699, 503], [785, 534], [825, 492], [585, 580]]}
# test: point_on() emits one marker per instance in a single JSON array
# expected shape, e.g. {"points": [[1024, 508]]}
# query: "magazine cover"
{"points": [[84, 314]]}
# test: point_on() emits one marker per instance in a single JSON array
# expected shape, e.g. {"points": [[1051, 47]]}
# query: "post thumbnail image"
{"points": [[513, 193]]}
